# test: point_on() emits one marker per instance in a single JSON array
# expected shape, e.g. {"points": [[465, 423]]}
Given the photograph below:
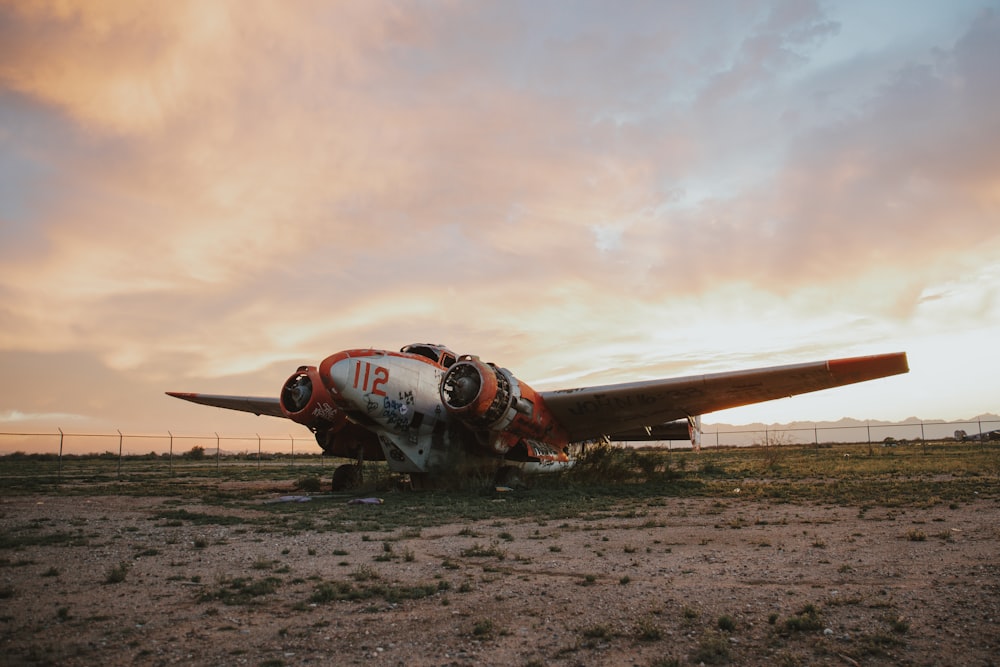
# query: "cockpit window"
{"points": [[437, 354], [422, 350]]}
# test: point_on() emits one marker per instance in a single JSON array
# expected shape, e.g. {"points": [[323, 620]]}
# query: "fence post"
{"points": [[170, 459], [120, 438], [292, 464], [218, 451], [258, 451], [60, 454]]}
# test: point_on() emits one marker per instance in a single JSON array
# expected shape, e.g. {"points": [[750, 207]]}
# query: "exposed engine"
{"points": [[487, 398], [305, 400]]}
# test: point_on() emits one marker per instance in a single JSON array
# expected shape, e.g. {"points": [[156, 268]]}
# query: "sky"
{"points": [[202, 196]]}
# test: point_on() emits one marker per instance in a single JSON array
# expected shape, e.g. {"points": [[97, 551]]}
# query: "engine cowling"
{"points": [[487, 398], [305, 400]]}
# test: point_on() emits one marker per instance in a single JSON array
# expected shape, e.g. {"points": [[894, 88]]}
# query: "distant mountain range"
{"points": [[845, 430]]}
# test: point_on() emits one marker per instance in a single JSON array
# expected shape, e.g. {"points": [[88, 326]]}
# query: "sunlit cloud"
{"points": [[15, 417]]}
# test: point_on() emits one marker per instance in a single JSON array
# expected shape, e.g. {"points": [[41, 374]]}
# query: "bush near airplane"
{"points": [[428, 412]]}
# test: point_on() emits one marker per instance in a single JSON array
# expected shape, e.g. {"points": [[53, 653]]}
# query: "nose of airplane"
{"points": [[334, 372]]}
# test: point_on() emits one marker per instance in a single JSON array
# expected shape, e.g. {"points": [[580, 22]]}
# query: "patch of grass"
{"points": [[482, 628], [19, 539], [240, 590], [200, 519], [712, 649], [479, 551], [807, 620], [647, 631]]}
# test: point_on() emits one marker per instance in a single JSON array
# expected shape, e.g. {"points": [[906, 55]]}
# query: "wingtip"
{"points": [[858, 369]]}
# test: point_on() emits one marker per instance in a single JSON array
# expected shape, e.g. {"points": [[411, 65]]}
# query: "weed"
{"points": [[916, 535], [483, 628], [713, 649], [309, 484], [807, 620], [116, 574], [647, 631], [479, 551], [598, 632], [726, 623], [899, 625], [666, 662], [240, 590]]}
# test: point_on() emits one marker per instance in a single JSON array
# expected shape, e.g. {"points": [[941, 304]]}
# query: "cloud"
{"points": [[17, 417], [205, 191]]}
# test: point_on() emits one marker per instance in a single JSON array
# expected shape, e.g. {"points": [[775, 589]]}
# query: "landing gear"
{"points": [[350, 475], [346, 477]]}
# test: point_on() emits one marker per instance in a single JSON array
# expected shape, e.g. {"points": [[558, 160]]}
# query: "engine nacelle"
{"points": [[489, 399], [305, 400]]}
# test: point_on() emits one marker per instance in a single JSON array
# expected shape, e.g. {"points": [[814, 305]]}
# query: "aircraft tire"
{"points": [[345, 477]]}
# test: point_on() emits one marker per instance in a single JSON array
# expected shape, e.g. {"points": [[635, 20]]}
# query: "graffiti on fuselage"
{"points": [[396, 413]]}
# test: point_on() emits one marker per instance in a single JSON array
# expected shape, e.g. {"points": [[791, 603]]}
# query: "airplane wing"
{"points": [[256, 404], [593, 412]]}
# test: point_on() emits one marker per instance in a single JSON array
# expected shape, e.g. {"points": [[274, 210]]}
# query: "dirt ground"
{"points": [[115, 580]]}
